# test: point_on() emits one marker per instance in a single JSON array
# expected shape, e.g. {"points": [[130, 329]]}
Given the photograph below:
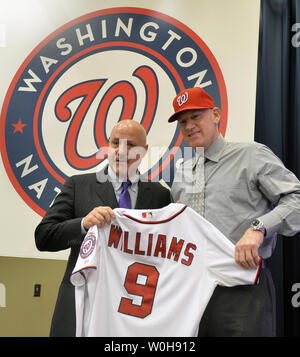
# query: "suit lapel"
{"points": [[105, 190], [107, 194], [144, 197]]}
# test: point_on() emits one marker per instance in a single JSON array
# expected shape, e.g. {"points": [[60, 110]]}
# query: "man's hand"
{"points": [[98, 216], [246, 249]]}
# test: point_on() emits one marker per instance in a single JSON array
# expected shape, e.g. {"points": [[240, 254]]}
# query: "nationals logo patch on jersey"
{"points": [[87, 246], [106, 66]]}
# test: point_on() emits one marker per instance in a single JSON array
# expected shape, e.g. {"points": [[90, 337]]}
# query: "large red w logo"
{"points": [[88, 91]]}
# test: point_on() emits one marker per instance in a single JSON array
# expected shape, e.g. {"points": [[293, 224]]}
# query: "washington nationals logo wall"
{"points": [[106, 66]]}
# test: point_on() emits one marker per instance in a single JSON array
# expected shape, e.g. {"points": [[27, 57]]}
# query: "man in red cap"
{"points": [[249, 196], [197, 101]]}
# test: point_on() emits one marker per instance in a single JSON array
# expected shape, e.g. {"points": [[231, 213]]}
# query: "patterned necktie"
{"points": [[125, 201], [197, 195]]}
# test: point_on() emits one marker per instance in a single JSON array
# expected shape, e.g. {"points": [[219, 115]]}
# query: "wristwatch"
{"points": [[257, 225]]}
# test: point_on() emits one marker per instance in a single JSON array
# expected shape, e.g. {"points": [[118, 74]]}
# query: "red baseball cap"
{"points": [[191, 98]]}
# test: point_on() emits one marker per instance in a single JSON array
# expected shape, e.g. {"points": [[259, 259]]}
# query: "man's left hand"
{"points": [[246, 249]]}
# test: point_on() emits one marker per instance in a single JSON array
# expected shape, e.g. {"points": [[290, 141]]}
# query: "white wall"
{"points": [[229, 29]]}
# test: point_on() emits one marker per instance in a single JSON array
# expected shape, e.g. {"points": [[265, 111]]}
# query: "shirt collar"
{"points": [[215, 150], [117, 181]]}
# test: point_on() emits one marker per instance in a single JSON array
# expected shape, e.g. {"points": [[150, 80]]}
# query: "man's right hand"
{"points": [[98, 216]]}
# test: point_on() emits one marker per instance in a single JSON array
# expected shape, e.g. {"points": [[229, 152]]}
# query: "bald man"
{"points": [[89, 199]]}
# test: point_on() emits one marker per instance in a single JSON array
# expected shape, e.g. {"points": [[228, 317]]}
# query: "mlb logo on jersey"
{"points": [[106, 66], [147, 214]]}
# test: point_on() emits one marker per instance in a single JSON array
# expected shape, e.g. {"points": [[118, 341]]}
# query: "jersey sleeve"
{"points": [[222, 265], [219, 255], [87, 259]]}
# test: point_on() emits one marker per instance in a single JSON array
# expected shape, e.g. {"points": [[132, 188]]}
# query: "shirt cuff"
{"points": [[271, 222], [83, 231]]}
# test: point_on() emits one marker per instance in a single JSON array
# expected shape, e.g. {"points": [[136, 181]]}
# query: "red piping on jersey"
{"points": [[258, 271], [156, 222], [81, 271]]}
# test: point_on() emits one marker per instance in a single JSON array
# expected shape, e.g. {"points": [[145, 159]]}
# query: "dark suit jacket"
{"points": [[61, 229]]}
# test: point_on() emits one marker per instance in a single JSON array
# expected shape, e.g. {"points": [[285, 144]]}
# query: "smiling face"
{"points": [[199, 127], [127, 147]]}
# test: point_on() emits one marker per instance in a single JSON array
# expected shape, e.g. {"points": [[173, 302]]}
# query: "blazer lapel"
{"points": [[105, 190], [144, 196]]}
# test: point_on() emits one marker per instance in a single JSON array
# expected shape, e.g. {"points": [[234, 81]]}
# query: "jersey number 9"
{"points": [[145, 290]]}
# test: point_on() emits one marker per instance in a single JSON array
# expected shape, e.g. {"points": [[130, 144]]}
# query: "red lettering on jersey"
{"points": [[149, 249], [126, 250], [173, 251], [114, 236], [189, 254], [175, 248], [137, 245], [160, 246]]}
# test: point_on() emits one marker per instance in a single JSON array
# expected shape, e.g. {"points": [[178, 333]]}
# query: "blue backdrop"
{"points": [[277, 125]]}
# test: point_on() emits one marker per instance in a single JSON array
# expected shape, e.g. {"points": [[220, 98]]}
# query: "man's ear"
{"points": [[217, 115], [146, 149]]}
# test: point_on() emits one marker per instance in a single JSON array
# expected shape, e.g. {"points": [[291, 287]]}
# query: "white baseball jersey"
{"points": [[151, 273]]}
